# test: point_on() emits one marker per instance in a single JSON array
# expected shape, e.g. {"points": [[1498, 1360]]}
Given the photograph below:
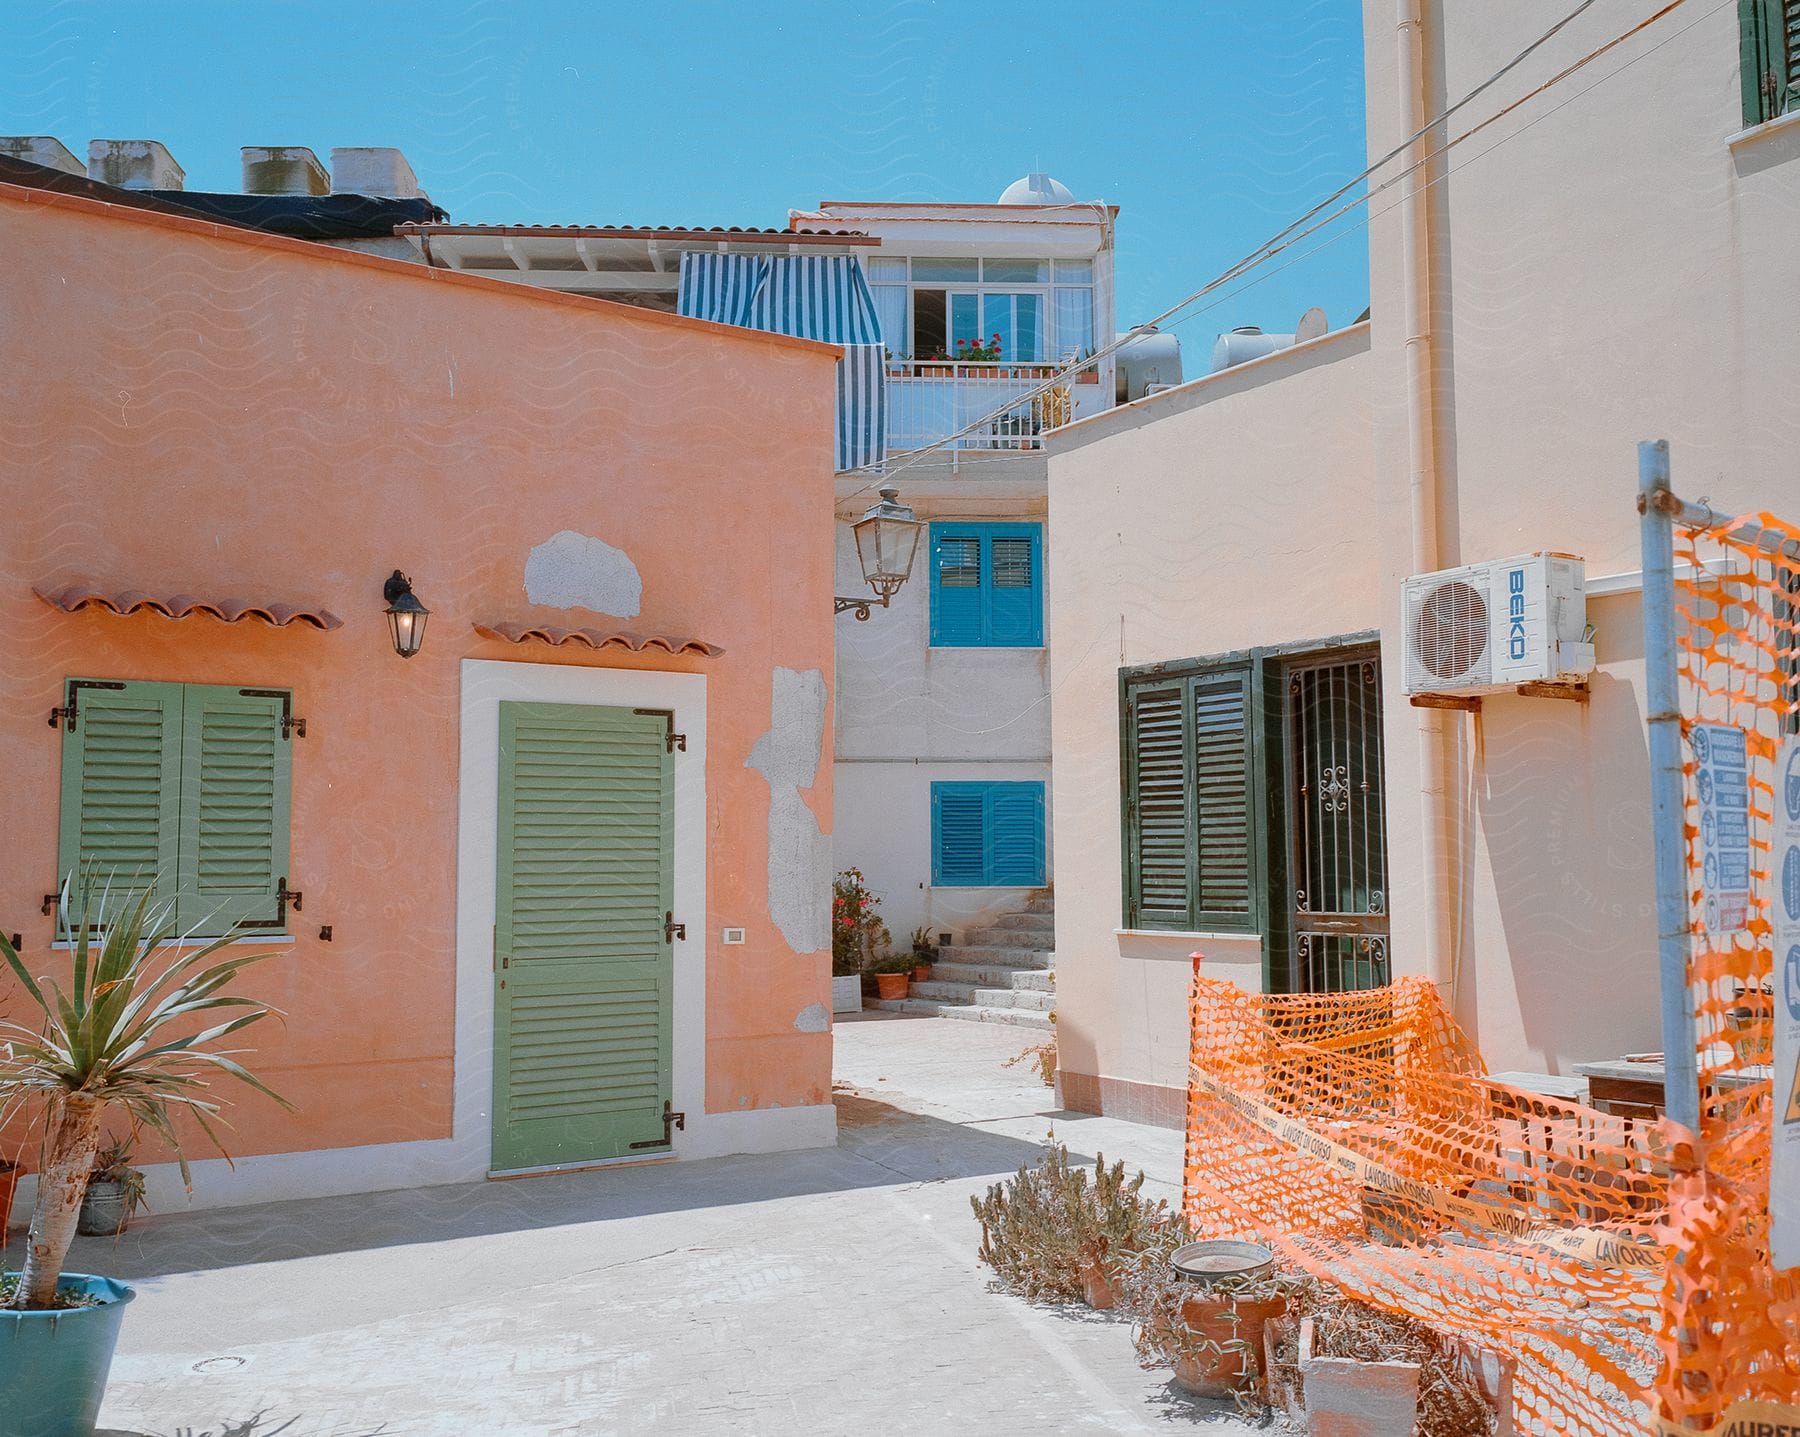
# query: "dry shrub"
{"points": [[1041, 1229]]}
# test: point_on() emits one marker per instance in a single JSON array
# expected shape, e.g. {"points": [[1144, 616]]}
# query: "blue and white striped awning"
{"points": [[823, 297]]}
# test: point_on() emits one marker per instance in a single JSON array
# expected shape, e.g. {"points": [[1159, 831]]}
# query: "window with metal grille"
{"points": [[987, 835], [987, 585], [1769, 36], [182, 789], [1190, 850]]}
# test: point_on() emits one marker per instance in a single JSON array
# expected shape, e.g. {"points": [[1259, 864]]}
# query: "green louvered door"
{"points": [[582, 957]]}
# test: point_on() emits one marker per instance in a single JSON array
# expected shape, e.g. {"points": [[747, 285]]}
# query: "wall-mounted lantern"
{"points": [[887, 538], [406, 615]]}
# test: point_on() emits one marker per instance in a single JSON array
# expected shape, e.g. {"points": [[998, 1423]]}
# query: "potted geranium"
{"points": [[136, 1034], [857, 931]]}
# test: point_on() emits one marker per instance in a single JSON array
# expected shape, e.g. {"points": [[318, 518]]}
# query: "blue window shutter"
{"points": [[1015, 584], [987, 835], [1015, 834], [957, 610], [958, 849], [987, 586]]}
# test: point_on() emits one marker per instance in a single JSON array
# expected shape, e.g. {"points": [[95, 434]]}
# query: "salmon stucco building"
{"points": [[553, 890]]}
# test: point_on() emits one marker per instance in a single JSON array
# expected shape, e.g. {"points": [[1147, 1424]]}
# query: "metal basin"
{"points": [[1221, 1258]]}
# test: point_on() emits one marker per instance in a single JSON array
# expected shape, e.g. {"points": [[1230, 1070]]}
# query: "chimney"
{"points": [[41, 150], [134, 165], [283, 170], [373, 171]]}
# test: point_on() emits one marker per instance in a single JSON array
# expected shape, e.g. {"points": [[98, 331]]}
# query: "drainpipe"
{"points": [[1439, 828]]}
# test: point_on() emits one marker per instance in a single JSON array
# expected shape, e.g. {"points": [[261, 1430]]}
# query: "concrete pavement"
{"points": [[831, 1291]]}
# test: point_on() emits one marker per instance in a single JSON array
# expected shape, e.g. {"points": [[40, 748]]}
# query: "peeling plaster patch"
{"points": [[799, 855], [576, 571], [812, 1019]]}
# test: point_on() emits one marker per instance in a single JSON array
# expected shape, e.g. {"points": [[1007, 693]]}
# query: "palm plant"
{"points": [[125, 1037]]}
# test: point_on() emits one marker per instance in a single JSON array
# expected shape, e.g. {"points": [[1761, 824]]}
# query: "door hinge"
{"points": [[670, 1120], [673, 930], [284, 896], [66, 715], [671, 739], [290, 726]]}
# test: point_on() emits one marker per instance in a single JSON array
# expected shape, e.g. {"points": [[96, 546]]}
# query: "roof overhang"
{"points": [[613, 262], [124, 602]]}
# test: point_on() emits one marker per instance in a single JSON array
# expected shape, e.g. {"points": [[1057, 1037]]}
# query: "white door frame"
{"points": [[486, 684]]}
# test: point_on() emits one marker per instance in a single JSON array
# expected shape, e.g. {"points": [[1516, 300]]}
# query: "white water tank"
{"points": [[1036, 188], [1146, 361], [1246, 342]]}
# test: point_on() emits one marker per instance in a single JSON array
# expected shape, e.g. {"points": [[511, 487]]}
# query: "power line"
{"points": [[1293, 232]]}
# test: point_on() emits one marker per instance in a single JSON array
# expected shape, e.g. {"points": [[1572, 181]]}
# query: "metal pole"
{"points": [[1662, 701]]}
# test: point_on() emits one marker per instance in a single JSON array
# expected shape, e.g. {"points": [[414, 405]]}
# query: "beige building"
{"points": [[1239, 768]]}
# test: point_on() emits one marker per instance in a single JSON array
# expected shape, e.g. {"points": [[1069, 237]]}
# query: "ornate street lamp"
{"points": [[887, 538], [406, 615]]}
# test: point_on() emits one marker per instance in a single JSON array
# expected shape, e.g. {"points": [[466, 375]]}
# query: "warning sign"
{"points": [[1722, 777], [1784, 1145]]}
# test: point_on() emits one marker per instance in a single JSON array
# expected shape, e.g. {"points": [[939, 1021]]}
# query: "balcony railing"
{"points": [[929, 399]]}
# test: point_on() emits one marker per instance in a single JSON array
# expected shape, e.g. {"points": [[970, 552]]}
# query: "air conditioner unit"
{"points": [[1487, 628]]}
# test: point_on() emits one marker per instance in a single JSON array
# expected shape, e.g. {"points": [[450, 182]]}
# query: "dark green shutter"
{"points": [[585, 973], [1221, 795], [121, 764], [1190, 839], [1769, 58], [1158, 810], [235, 785]]}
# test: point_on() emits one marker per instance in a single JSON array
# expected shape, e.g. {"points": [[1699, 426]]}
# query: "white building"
{"points": [[942, 716]]}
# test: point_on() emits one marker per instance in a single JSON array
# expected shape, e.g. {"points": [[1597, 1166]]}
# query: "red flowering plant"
{"points": [[972, 352], [856, 927]]}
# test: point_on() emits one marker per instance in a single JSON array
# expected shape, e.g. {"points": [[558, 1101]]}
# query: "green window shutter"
{"points": [[120, 791], [1769, 58], [235, 786], [1222, 847], [1159, 884]]}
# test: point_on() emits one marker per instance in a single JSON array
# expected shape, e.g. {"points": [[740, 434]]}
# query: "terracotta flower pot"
{"points": [[891, 985], [1224, 1369], [921, 973], [1096, 1287]]}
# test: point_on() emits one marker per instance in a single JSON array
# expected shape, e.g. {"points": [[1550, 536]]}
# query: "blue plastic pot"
{"points": [[53, 1365]]}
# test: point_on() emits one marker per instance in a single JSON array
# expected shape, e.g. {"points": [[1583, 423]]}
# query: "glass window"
{"points": [[1074, 322], [928, 326], [1017, 320], [886, 271], [946, 271], [890, 310], [1014, 271], [1074, 271], [965, 322]]}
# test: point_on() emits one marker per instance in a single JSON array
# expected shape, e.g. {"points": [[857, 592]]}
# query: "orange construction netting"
{"points": [[1620, 1264]]}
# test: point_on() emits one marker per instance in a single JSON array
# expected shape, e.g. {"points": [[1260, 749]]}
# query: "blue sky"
{"points": [[1210, 122]]}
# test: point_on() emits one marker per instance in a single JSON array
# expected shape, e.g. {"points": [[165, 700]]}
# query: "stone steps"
{"points": [[981, 975], [992, 956], [1003, 973], [1038, 999], [967, 1012]]}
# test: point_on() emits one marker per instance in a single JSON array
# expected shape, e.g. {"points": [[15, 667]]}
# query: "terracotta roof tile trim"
{"points": [[182, 606], [598, 639]]}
